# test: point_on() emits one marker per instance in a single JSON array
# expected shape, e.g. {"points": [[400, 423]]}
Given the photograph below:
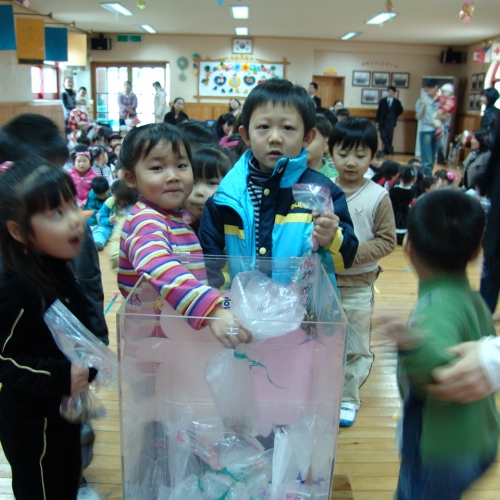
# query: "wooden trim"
{"points": [[50, 109]]}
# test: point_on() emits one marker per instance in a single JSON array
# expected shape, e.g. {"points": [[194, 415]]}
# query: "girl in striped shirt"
{"points": [[156, 161]]}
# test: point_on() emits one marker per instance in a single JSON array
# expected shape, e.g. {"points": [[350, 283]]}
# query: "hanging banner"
{"points": [[478, 57], [30, 36], [77, 51], [56, 44], [7, 32], [495, 52]]}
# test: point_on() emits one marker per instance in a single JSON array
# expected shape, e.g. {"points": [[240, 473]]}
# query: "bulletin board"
{"points": [[223, 78]]}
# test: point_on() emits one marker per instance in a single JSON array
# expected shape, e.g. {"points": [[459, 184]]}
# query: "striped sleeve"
{"points": [[150, 253]]}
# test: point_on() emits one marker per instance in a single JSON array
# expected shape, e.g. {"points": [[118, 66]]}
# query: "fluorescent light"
{"points": [[381, 18], [350, 35], [116, 8], [241, 31], [146, 27], [240, 12]]}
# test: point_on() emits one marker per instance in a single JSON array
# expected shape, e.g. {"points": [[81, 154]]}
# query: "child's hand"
{"points": [[392, 326], [112, 219], [325, 227], [79, 379], [220, 322]]}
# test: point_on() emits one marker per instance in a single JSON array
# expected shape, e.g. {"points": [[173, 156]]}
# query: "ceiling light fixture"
{"points": [[350, 35], [240, 12], [381, 18], [146, 27], [241, 31], [116, 8]]}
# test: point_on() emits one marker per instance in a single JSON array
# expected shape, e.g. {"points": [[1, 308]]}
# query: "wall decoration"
{"points": [[235, 78], [330, 72], [196, 64], [384, 93], [480, 81], [471, 101], [361, 78], [380, 79], [182, 64], [467, 11], [477, 101], [141, 4], [473, 83], [369, 96], [242, 46], [400, 80]]}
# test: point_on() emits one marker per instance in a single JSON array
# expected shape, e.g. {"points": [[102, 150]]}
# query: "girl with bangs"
{"points": [[41, 231]]}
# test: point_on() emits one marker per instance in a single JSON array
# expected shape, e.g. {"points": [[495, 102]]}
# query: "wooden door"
{"points": [[330, 88]]}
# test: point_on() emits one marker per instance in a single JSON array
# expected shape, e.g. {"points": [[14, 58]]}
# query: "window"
{"points": [[108, 80], [44, 82]]}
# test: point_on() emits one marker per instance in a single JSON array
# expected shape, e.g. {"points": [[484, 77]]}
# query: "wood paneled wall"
{"points": [[205, 110], [50, 109], [468, 122]]}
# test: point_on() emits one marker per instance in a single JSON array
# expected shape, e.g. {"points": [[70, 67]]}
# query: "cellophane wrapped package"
{"points": [[265, 306], [83, 349]]}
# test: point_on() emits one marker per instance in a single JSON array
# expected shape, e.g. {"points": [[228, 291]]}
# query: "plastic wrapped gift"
{"points": [[184, 436]]}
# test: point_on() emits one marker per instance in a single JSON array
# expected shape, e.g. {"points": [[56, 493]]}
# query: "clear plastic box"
{"points": [[176, 446]]}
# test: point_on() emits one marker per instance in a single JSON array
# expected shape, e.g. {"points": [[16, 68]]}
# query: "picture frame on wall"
{"points": [[361, 78], [471, 101], [473, 82], [380, 79], [369, 96], [401, 80], [480, 81], [384, 93], [477, 101], [242, 46]]}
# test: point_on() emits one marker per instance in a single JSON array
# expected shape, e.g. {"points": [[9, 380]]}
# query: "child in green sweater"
{"points": [[446, 446]]}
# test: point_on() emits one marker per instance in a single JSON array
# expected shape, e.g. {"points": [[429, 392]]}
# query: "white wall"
{"points": [[15, 79]]}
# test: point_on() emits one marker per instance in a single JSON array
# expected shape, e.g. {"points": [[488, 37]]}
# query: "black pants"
{"points": [[386, 134], [43, 451]]}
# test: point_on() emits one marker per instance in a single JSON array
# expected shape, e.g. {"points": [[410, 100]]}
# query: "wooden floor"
{"points": [[366, 452]]}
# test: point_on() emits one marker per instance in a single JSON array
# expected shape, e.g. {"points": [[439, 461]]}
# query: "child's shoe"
{"points": [[347, 414]]}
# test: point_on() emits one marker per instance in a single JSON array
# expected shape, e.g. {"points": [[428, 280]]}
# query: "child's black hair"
{"points": [[30, 187], [445, 229], [81, 149], [491, 95], [99, 185], [124, 196], [83, 140], [483, 138], [353, 133], [29, 133], [226, 118], [315, 85], [211, 162], [323, 126], [96, 151], [380, 154], [343, 112], [280, 93], [445, 175], [198, 133], [428, 182], [115, 136], [329, 115], [407, 174], [413, 161], [139, 142], [175, 100], [389, 169]]}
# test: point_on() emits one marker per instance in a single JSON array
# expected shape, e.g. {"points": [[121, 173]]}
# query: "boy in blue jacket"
{"points": [[253, 212]]}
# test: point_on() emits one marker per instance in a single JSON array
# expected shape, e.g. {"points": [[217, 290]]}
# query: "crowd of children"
{"points": [[166, 189]]}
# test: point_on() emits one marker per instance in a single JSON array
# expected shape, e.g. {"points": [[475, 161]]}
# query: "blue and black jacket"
{"points": [[227, 226]]}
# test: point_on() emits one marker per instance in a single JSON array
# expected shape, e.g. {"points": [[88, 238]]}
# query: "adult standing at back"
{"points": [[160, 102], [176, 116], [68, 98], [313, 88], [426, 107], [127, 102], [491, 114], [389, 109]]}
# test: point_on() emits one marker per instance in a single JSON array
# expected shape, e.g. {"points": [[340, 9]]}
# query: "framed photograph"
{"points": [[473, 82], [383, 93], [361, 78], [400, 80], [477, 101], [480, 81], [369, 96], [380, 79], [242, 46], [471, 101]]}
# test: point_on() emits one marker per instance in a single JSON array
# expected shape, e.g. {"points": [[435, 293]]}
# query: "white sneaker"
{"points": [[85, 492], [347, 414]]}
